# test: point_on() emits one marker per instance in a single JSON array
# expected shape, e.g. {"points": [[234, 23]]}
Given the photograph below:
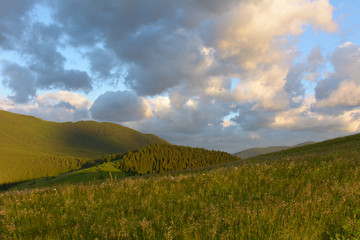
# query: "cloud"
{"points": [[265, 88], [64, 79], [192, 116], [121, 106], [250, 34], [11, 24], [346, 95], [214, 39], [76, 101], [250, 119], [163, 46], [38, 46], [20, 80], [298, 72], [52, 106], [48, 63], [303, 118], [342, 87], [104, 63]]}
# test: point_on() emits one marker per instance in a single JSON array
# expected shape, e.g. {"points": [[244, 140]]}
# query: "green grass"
{"points": [[100, 172], [31, 148], [310, 192]]}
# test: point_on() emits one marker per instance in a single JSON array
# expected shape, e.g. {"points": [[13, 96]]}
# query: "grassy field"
{"points": [[311, 192], [31, 148], [101, 172]]}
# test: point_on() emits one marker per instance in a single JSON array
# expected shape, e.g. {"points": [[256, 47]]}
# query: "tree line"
{"points": [[157, 158]]}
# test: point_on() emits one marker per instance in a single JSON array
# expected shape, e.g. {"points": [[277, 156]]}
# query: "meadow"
{"points": [[310, 192]]}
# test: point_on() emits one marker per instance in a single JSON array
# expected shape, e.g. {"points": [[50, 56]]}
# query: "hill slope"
{"points": [[252, 152], [32, 148], [310, 192]]}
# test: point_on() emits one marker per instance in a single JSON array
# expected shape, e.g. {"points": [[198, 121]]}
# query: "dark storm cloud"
{"points": [[20, 80], [121, 106]]}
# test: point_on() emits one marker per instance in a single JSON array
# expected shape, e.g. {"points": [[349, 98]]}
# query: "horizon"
{"points": [[224, 75]]}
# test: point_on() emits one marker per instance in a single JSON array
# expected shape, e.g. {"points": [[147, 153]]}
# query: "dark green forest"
{"points": [[158, 158]]}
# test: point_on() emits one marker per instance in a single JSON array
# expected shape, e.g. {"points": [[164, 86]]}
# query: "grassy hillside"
{"points": [[32, 148], [252, 152], [311, 192], [100, 172]]}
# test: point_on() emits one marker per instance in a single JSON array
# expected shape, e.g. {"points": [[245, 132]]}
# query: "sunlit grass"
{"points": [[100, 172]]}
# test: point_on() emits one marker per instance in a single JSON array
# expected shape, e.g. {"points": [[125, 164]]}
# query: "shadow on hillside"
{"points": [[6, 186]]}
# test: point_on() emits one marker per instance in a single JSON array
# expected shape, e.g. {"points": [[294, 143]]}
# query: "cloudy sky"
{"points": [[229, 74]]}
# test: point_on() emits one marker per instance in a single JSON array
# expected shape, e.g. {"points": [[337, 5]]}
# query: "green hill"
{"points": [[252, 152], [32, 148], [309, 192]]}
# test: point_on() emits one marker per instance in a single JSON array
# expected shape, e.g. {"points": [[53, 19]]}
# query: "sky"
{"points": [[227, 75]]}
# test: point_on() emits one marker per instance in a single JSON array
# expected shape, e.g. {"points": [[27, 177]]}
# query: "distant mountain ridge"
{"points": [[253, 152], [31, 147]]}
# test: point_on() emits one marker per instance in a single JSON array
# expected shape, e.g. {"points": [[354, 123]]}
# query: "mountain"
{"points": [[252, 152], [33, 148]]}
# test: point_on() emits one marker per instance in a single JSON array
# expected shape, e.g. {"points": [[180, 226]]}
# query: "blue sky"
{"points": [[223, 75]]}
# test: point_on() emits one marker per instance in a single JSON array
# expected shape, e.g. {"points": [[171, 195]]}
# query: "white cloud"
{"points": [[53, 106], [342, 87], [265, 88], [74, 99], [347, 95], [303, 118], [249, 32]]}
